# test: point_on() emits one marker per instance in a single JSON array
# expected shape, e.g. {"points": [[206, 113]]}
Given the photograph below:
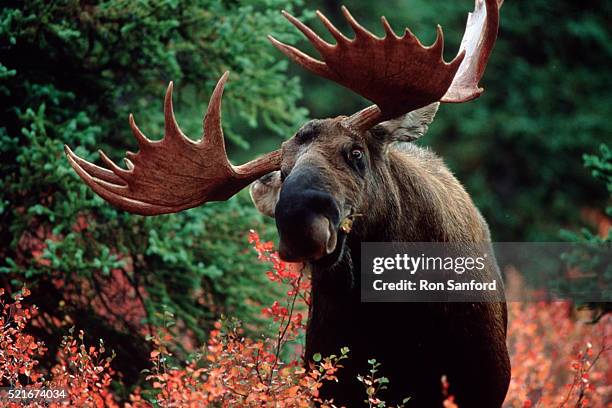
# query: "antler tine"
{"points": [[478, 41], [321, 45], [438, 45], [312, 64], [89, 168], [118, 171], [141, 139], [337, 34], [212, 119], [174, 173], [388, 29], [358, 29], [172, 131]]}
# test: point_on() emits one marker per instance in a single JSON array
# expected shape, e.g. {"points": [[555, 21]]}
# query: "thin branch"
{"points": [[284, 331]]}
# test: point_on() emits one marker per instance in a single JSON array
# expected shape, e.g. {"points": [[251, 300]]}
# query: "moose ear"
{"points": [[265, 191], [411, 126]]}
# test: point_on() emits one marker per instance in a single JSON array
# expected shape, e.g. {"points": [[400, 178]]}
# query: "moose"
{"points": [[329, 172]]}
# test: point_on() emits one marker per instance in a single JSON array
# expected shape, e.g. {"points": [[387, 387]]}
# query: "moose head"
{"points": [[327, 173]]}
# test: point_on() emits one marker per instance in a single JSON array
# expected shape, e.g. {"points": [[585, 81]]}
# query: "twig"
{"points": [[284, 331]]}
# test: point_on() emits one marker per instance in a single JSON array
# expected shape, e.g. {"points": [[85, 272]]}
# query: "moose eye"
{"points": [[355, 159], [356, 154]]}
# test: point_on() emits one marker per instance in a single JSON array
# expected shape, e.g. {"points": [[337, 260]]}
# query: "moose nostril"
{"points": [[285, 253]]}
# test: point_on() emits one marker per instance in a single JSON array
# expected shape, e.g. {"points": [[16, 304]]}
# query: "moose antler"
{"points": [[174, 173], [399, 74]]}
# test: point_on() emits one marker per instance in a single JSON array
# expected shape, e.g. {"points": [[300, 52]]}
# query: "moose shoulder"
{"points": [[406, 193], [330, 171]]}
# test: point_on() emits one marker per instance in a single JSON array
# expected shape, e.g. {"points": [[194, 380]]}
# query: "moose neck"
{"points": [[417, 199], [413, 198]]}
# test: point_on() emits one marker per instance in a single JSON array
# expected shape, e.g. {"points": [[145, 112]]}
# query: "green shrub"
{"points": [[70, 72]]}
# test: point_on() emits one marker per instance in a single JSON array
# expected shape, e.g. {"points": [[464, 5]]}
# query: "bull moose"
{"points": [[330, 171]]}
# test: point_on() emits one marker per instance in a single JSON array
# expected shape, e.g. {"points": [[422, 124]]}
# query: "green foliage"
{"points": [[593, 260], [70, 73], [547, 100], [601, 168], [374, 385]]}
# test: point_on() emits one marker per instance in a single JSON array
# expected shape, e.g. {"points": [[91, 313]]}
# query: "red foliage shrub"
{"points": [[18, 351], [554, 355], [81, 371], [238, 371], [84, 372], [557, 359]]}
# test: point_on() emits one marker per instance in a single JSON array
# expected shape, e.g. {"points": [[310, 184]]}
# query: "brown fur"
{"points": [[406, 194]]}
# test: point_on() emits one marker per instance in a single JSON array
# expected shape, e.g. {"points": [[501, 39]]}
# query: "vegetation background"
{"points": [[72, 71]]}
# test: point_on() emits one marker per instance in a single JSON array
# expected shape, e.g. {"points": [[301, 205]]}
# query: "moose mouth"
{"points": [[326, 251], [334, 257], [318, 239]]}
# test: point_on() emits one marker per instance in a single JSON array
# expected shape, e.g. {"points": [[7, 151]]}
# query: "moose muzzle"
{"points": [[307, 217]]}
